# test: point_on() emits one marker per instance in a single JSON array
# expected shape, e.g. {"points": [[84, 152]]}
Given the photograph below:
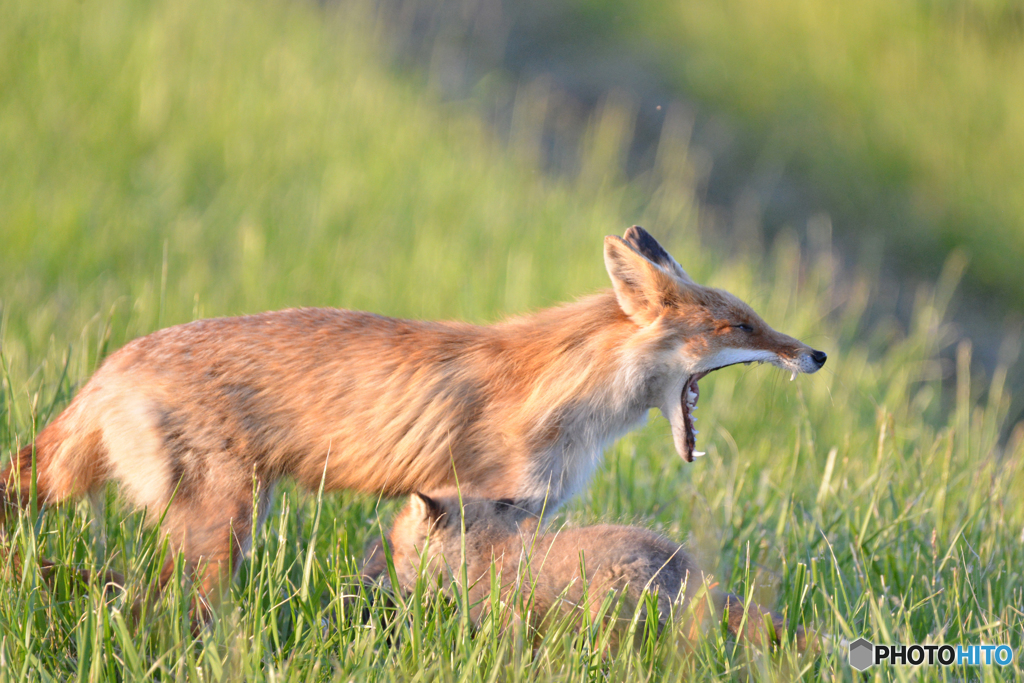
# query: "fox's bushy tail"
{"points": [[16, 483], [63, 464], [54, 481]]}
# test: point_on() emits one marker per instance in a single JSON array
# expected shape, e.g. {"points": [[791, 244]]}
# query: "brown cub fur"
{"points": [[186, 418], [562, 574]]}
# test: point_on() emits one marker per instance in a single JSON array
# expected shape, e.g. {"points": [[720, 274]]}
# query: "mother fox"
{"points": [[185, 418]]}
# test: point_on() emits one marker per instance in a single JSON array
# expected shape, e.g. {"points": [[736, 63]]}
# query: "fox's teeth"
{"points": [[697, 454], [793, 376]]}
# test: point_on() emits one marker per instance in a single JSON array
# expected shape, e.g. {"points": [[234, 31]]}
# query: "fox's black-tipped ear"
{"points": [[641, 287], [425, 507], [649, 248]]}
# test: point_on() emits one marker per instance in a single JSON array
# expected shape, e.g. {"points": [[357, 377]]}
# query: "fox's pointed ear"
{"points": [[640, 286], [643, 242], [426, 508]]}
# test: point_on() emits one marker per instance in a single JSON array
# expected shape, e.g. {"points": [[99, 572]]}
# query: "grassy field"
{"points": [[171, 160], [905, 115]]}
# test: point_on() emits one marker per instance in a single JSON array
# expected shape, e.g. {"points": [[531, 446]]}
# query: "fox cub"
{"points": [[564, 574]]}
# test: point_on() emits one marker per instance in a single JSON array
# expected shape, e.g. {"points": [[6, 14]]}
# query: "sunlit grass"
{"points": [[189, 159]]}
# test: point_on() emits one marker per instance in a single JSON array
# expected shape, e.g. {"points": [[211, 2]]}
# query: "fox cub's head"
{"points": [[429, 530], [695, 329]]}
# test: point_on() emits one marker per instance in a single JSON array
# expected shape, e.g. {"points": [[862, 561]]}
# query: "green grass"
{"points": [[904, 115], [170, 160]]}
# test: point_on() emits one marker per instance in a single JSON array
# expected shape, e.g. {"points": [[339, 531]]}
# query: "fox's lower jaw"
{"points": [[678, 404], [688, 400]]}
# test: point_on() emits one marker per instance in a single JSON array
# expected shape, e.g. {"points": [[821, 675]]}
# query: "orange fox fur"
{"points": [[185, 418], [547, 576]]}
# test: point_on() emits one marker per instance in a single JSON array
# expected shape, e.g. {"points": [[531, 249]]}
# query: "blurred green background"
{"points": [[903, 120], [910, 107], [163, 161]]}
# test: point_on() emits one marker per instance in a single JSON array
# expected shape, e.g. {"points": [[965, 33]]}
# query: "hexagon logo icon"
{"points": [[862, 654]]}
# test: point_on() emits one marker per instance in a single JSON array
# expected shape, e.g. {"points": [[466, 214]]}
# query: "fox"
{"points": [[191, 419], [453, 540]]}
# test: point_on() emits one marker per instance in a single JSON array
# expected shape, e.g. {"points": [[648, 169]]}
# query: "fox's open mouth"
{"points": [[679, 406], [688, 403]]}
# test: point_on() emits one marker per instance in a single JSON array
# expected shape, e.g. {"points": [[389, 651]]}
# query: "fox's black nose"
{"points": [[819, 357]]}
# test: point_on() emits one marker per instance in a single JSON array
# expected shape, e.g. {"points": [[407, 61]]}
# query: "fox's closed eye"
{"points": [[744, 327]]}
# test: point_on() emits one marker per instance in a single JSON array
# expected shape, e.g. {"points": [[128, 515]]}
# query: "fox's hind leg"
{"points": [[189, 467], [213, 533]]}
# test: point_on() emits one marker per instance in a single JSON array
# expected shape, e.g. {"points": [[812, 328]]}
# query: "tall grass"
{"points": [[165, 161]]}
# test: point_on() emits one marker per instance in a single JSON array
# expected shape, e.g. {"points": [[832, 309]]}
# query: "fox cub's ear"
{"points": [[641, 287], [643, 242], [426, 508]]}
